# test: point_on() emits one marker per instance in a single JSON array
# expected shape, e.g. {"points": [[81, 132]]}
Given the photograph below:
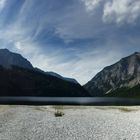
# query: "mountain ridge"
{"points": [[9, 59], [19, 78], [123, 74]]}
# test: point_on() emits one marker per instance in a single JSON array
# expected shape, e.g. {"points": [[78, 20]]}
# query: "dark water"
{"points": [[68, 101]]}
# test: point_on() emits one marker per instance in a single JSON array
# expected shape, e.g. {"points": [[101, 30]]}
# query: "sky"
{"points": [[74, 38]]}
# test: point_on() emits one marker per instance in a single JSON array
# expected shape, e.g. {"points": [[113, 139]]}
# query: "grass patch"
{"points": [[124, 109], [39, 108]]}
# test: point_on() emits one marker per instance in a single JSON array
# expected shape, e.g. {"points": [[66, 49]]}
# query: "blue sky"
{"points": [[75, 38]]}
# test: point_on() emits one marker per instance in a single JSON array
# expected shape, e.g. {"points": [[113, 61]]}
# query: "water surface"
{"points": [[69, 101]]}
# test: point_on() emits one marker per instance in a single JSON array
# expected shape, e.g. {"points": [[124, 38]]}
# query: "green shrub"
{"points": [[58, 113]]}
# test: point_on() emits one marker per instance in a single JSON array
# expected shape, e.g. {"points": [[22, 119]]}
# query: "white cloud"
{"points": [[121, 11], [91, 4], [88, 64], [2, 4], [18, 45]]}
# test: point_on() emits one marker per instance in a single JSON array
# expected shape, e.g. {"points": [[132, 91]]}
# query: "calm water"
{"points": [[68, 101]]}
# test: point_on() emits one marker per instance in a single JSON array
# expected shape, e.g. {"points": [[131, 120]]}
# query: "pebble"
{"points": [[89, 123]]}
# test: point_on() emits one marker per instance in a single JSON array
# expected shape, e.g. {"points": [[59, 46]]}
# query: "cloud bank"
{"points": [[122, 11]]}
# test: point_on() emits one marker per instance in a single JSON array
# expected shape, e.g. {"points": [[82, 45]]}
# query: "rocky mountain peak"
{"points": [[125, 73], [9, 59]]}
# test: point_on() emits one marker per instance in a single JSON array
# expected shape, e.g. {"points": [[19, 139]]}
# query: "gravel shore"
{"points": [[78, 123]]}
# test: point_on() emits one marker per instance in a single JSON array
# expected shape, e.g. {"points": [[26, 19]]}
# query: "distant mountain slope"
{"points": [[19, 78], [7, 59], [26, 82], [57, 75], [122, 76], [61, 77], [133, 92]]}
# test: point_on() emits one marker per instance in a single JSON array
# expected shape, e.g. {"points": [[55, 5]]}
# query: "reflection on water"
{"points": [[69, 101]]}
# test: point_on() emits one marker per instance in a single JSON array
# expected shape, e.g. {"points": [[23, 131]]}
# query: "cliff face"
{"points": [[121, 75]]}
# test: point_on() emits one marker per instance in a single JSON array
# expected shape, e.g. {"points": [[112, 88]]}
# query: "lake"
{"points": [[94, 101]]}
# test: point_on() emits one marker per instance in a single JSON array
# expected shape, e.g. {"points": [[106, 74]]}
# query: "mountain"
{"points": [[8, 59], [61, 77], [57, 75], [19, 78], [26, 82], [119, 79]]}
